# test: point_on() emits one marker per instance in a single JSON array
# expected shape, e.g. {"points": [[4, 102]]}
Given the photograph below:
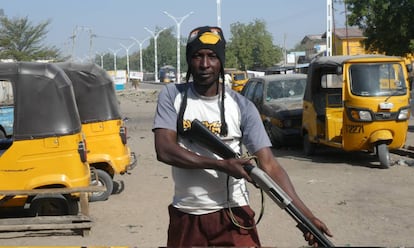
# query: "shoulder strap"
{"points": [[183, 106], [180, 118]]}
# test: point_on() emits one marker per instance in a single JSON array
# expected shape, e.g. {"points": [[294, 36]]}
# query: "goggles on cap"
{"points": [[211, 36]]}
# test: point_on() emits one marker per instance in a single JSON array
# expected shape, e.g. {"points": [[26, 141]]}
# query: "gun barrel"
{"points": [[263, 180], [305, 225]]}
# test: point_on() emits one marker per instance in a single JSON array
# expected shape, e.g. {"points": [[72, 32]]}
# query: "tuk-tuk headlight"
{"points": [[360, 115], [365, 115], [404, 114]]}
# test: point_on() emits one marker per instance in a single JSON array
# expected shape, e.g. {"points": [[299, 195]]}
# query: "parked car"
{"points": [[279, 99]]}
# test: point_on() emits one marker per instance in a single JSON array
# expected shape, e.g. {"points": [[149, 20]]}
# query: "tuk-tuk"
{"points": [[46, 149], [102, 124], [238, 78], [356, 103]]}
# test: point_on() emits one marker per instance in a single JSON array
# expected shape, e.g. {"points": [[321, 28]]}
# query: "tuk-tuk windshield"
{"points": [[239, 76], [377, 79]]}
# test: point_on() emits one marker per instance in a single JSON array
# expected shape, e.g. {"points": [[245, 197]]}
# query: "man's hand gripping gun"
{"points": [[204, 137]]}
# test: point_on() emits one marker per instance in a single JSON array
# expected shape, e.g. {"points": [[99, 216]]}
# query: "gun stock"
{"points": [[204, 137]]}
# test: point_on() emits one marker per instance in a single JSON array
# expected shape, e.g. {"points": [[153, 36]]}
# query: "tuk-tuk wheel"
{"points": [[104, 179], [383, 155], [308, 147], [53, 205]]}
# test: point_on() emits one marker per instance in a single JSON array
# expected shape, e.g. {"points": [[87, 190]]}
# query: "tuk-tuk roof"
{"points": [[329, 65], [94, 91], [44, 102], [334, 61]]}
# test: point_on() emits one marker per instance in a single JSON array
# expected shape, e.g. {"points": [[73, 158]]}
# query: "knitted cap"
{"points": [[207, 37]]}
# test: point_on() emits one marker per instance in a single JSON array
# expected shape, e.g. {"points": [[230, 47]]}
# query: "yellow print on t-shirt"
{"points": [[212, 126]]}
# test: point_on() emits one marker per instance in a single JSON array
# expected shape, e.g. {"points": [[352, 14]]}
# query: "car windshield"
{"points": [[282, 89], [377, 79]]}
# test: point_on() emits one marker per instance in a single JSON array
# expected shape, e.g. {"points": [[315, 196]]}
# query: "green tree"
{"points": [[387, 24], [251, 46], [20, 40]]}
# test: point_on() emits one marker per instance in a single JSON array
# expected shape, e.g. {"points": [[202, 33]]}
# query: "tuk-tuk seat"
{"points": [[327, 98], [319, 103], [334, 100]]}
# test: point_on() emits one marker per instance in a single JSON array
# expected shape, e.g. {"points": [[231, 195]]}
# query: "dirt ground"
{"points": [[361, 204]]}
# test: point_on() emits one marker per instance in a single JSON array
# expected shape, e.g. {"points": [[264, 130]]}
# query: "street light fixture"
{"points": [[155, 36], [140, 43], [178, 21], [127, 55]]}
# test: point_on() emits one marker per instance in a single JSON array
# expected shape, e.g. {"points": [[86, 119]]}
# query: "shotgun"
{"points": [[201, 135]]}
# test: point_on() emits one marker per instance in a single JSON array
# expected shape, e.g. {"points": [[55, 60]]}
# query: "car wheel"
{"points": [[104, 179], [268, 128], [2, 134], [308, 147]]}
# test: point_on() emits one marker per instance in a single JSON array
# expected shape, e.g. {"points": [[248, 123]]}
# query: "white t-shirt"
{"points": [[205, 191]]}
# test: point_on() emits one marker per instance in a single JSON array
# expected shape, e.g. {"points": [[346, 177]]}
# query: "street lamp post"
{"points": [[155, 36], [127, 55], [329, 25], [114, 53], [101, 55], [218, 2], [178, 21], [140, 43]]}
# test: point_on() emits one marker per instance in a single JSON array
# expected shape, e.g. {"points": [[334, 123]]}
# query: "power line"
{"points": [[111, 37]]}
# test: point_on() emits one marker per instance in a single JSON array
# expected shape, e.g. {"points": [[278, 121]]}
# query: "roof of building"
{"points": [[350, 32], [312, 37]]}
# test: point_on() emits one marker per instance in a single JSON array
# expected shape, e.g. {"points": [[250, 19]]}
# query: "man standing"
{"points": [[210, 205]]}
